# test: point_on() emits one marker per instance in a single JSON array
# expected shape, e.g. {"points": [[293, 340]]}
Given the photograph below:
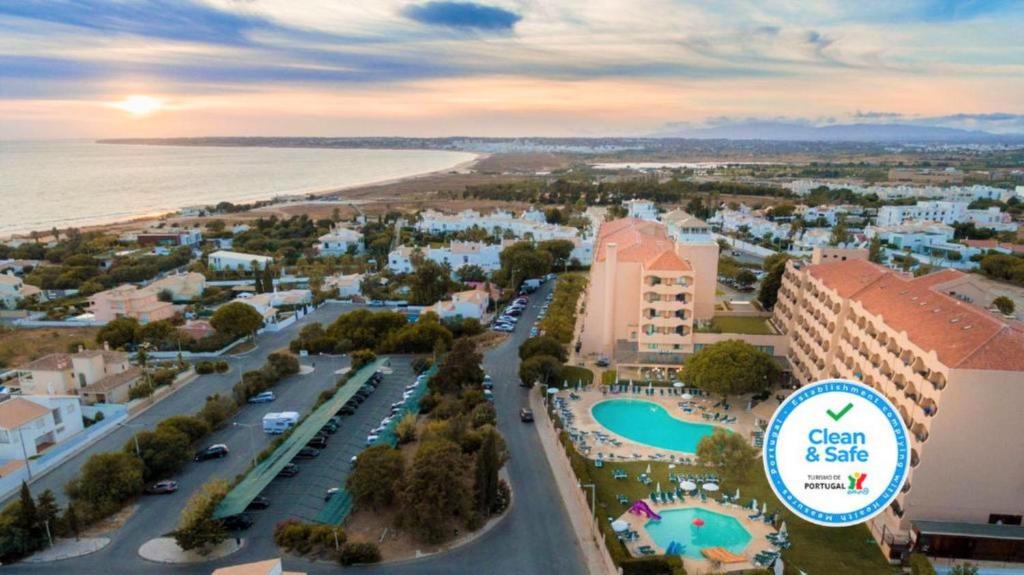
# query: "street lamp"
{"points": [[135, 438], [252, 442]]}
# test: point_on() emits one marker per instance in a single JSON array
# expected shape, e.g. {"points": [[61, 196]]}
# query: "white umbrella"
{"points": [[619, 526], [671, 465], [710, 487], [648, 469], [687, 396], [764, 508], [688, 486], [657, 488], [552, 390], [737, 496], [565, 384], [753, 504], [779, 568], [782, 528], [678, 384]]}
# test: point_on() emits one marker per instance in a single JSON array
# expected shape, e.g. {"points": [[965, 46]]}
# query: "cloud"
{"points": [[462, 15]]}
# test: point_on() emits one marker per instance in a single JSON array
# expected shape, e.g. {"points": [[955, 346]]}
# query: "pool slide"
{"points": [[641, 507]]}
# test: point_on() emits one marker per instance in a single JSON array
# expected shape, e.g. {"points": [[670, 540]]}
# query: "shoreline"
{"points": [[329, 193]]}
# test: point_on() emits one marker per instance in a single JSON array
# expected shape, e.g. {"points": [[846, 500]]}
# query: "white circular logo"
{"points": [[836, 453]]}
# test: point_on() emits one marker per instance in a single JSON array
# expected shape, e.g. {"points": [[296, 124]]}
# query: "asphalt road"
{"points": [[535, 537]]}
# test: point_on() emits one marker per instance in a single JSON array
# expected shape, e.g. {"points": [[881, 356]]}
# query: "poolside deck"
{"points": [[757, 529], [593, 447]]}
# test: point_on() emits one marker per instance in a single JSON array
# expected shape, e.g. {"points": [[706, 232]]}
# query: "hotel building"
{"points": [[956, 374], [645, 293]]}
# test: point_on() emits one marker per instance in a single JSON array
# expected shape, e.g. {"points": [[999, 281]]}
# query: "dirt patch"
{"points": [[110, 524], [488, 340], [20, 346]]}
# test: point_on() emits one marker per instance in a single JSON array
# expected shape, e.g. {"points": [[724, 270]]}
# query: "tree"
{"points": [[192, 426], [727, 452], [486, 483], [268, 279], [540, 369], [731, 367], [471, 273], [47, 511], [875, 253], [840, 232], [461, 369], [435, 494], [119, 333], [364, 329], [1004, 304], [405, 431], [560, 250], [236, 319], [164, 452], [745, 278], [27, 518], [257, 280], [159, 334], [374, 480], [107, 480], [71, 519], [542, 345], [429, 282], [217, 409], [521, 260], [197, 529], [775, 266]]}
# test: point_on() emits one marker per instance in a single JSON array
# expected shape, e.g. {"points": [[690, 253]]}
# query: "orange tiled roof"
{"points": [[16, 412], [640, 241], [961, 335]]}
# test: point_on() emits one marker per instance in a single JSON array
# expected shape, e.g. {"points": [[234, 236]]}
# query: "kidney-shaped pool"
{"points": [[648, 423]]}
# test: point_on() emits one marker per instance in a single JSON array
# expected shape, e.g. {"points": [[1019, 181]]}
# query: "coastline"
{"points": [[332, 193]]}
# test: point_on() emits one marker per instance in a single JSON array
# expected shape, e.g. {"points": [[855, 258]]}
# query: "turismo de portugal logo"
{"points": [[836, 453]]}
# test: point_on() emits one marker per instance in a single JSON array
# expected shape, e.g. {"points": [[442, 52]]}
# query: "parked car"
{"points": [[239, 522], [331, 491], [289, 470], [308, 453], [215, 451], [503, 327], [330, 428], [347, 410], [318, 441], [258, 503], [601, 362], [526, 415], [265, 397], [162, 487]]}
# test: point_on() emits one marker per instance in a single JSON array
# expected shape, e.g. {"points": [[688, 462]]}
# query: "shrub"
{"points": [[197, 529], [283, 365], [920, 565], [421, 364], [192, 426], [357, 552], [405, 431], [164, 452], [375, 478], [217, 410], [204, 367], [163, 377], [141, 390], [106, 482], [362, 358], [504, 497], [221, 366]]}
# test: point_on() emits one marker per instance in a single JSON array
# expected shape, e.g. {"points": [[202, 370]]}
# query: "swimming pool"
{"points": [[649, 423], [718, 531]]}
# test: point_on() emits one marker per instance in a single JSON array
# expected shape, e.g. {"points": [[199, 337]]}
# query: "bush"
{"points": [[164, 452], [356, 552], [283, 365], [197, 529], [217, 410], [164, 377], [405, 431], [303, 538], [421, 365], [204, 367], [221, 366], [106, 482], [141, 390], [192, 426], [920, 565], [362, 358]]}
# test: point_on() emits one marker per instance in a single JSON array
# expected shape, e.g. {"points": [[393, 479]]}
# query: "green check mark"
{"points": [[842, 412]]}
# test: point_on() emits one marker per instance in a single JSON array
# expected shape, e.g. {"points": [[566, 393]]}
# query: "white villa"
{"points": [[339, 241], [30, 424], [13, 289], [465, 304], [223, 260]]}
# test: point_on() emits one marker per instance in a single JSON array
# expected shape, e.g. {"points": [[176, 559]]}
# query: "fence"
{"points": [[582, 514]]}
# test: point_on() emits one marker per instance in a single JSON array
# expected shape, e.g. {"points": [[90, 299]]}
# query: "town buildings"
{"points": [[348, 285], [744, 221], [29, 425], [457, 254], [464, 304], [646, 292], [13, 290], [142, 304], [954, 371], [170, 237], [182, 287], [641, 209], [340, 241], [98, 376], [268, 304], [889, 192], [223, 260], [947, 213]]}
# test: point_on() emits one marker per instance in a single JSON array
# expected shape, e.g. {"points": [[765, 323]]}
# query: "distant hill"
{"points": [[794, 132]]}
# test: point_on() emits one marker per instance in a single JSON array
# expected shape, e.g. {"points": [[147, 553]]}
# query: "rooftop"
{"points": [[640, 241], [16, 412], [960, 334], [114, 381]]}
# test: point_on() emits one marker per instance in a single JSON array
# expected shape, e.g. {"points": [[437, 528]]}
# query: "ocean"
{"points": [[79, 183]]}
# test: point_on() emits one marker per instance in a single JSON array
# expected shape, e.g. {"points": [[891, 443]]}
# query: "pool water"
{"points": [[649, 423], [718, 531]]}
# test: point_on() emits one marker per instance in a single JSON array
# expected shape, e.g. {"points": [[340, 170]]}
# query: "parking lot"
{"points": [[302, 496]]}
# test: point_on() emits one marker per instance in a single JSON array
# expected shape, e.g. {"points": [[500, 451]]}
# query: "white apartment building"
{"points": [[456, 254], [464, 304], [641, 209], [223, 260], [903, 191], [13, 290], [811, 238], [348, 285], [29, 424], [339, 241], [735, 221], [497, 223], [947, 213]]}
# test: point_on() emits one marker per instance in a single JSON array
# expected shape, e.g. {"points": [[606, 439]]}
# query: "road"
{"points": [[535, 537]]}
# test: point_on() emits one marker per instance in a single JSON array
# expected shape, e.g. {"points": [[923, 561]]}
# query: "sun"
{"points": [[140, 105]]}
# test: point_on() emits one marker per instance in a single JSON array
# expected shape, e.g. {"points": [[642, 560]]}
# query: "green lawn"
{"points": [[836, 551], [741, 324]]}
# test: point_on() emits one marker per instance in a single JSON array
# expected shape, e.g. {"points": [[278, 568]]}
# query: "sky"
{"points": [[166, 68]]}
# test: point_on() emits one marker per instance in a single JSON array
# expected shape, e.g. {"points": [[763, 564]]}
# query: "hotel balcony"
{"points": [[928, 406], [665, 289], [920, 431]]}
